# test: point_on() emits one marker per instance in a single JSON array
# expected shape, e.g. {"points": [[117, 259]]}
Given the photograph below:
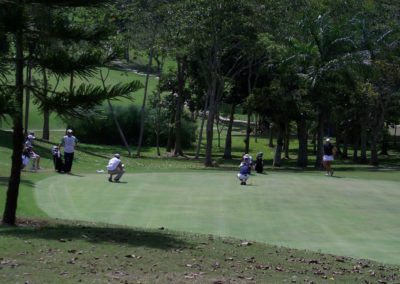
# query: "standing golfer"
{"points": [[69, 142], [115, 167], [327, 159]]}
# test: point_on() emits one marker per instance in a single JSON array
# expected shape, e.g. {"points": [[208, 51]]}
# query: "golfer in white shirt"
{"points": [[115, 167]]}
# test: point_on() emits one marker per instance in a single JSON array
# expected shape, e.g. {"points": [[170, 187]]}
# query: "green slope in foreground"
{"points": [[343, 216]]}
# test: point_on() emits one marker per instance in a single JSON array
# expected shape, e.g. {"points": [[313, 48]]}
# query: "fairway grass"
{"points": [[343, 216]]}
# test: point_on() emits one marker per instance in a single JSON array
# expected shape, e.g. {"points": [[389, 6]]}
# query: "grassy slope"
{"points": [[98, 253], [36, 118]]}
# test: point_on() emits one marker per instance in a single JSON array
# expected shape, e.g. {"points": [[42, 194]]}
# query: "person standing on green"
{"points": [[69, 142], [327, 159]]}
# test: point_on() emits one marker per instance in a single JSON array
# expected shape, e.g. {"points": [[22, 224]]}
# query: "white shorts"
{"points": [[327, 158], [242, 177]]}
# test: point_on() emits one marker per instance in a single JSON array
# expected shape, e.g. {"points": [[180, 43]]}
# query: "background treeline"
{"points": [[102, 128], [326, 67], [312, 68]]}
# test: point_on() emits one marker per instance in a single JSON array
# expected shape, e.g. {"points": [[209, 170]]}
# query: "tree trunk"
{"points": [[171, 141], [256, 126], [279, 145], [363, 142], [314, 142], [228, 140], [46, 124], [356, 147], [345, 149], [203, 118], [248, 131], [287, 140], [71, 81], [46, 110], [320, 140], [378, 128], [121, 133], [126, 52], [143, 109], [179, 105], [160, 65], [218, 130], [27, 96], [374, 150], [302, 156], [271, 135], [210, 122], [384, 145], [114, 116], [10, 210]]}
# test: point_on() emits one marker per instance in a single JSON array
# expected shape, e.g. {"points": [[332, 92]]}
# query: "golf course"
{"points": [[343, 216], [191, 142]]}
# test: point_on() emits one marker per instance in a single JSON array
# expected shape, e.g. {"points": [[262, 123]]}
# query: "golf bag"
{"points": [[259, 163], [57, 159]]}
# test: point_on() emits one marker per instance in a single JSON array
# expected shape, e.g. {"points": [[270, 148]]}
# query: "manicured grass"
{"points": [[343, 216], [288, 207]]}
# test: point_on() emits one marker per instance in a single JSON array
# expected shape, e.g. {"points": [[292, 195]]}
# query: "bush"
{"points": [[102, 130]]}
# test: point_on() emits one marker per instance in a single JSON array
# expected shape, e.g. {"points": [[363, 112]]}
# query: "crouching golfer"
{"points": [[115, 167], [244, 171]]}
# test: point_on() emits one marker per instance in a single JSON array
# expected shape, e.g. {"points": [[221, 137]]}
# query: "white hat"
{"points": [[69, 131], [116, 155], [30, 136]]}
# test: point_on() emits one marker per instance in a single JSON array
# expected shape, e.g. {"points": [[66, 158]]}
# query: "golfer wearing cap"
{"points": [[69, 142], [327, 159], [115, 167], [29, 149]]}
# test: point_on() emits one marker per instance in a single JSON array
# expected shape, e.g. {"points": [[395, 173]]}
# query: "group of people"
{"points": [[69, 142], [63, 164], [246, 164], [115, 166]]}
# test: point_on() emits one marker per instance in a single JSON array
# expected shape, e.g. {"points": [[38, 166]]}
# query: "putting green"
{"points": [[344, 216]]}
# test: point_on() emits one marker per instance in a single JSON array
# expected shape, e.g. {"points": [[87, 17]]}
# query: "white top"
{"points": [[28, 143], [113, 164], [69, 143]]}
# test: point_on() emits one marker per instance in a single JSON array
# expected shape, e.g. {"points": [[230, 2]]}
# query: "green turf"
{"points": [[344, 216]]}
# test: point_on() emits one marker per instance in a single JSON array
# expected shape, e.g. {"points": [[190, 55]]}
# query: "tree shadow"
{"points": [[96, 235], [6, 139], [4, 182]]}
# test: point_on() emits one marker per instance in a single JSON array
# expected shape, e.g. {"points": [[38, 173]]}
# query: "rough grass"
{"points": [[74, 252]]}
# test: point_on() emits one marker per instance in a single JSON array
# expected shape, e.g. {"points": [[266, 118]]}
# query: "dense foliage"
{"points": [[102, 129]]}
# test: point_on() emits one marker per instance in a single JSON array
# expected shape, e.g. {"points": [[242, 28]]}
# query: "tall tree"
{"points": [[18, 25]]}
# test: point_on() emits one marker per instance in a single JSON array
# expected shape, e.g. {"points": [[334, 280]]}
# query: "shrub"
{"points": [[101, 129]]}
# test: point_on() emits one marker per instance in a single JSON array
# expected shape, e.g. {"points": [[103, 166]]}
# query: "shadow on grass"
{"points": [[4, 182], [5, 139], [96, 235]]}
